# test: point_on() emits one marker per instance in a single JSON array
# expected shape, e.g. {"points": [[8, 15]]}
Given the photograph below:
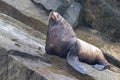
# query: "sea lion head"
{"points": [[55, 18]]}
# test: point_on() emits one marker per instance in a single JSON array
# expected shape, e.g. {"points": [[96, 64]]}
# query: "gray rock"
{"points": [[50, 4], [14, 35], [33, 14], [26, 12], [30, 62], [72, 13], [104, 16], [27, 8], [11, 69]]}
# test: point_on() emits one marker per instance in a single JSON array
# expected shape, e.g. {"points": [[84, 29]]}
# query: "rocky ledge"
{"points": [[22, 57], [22, 54], [103, 15]]}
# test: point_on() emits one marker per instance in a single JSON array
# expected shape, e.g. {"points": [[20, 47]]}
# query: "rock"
{"points": [[16, 36], [28, 65], [28, 60], [104, 16], [26, 12], [49, 4], [11, 69], [35, 14], [100, 15], [39, 66], [72, 14], [58, 5]]}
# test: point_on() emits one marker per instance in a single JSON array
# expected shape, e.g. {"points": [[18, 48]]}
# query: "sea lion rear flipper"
{"points": [[99, 67], [73, 61]]}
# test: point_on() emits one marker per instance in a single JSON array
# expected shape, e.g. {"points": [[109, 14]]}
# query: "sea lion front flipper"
{"points": [[99, 67], [73, 61]]}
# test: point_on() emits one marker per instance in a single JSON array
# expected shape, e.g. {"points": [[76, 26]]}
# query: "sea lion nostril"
{"points": [[52, 16]]}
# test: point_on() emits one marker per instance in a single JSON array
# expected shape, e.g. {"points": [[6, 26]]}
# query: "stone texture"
{"points": [[30, 62], [104, 16], [101, 15], [27, 8], [26, 12], [14, 35], [11, 69], [72, 14], [50, 4], [35, 14]]}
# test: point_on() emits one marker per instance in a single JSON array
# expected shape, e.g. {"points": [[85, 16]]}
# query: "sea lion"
{"points": [[62, 41]]}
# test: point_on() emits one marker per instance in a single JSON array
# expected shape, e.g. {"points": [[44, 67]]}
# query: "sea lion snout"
{"points": [[52, 15]]}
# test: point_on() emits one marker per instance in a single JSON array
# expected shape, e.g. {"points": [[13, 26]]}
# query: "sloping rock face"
{"points": [[103, 15], [35, 12], [28, 61], [11, 69], [26, 12], [31, 63]]}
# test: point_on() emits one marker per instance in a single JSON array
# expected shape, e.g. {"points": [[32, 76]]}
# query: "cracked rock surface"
{"points": [[27, 59]]}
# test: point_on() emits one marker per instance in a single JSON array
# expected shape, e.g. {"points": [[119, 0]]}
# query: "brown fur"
{"points": [[90, 54], [62, 40], [60, 37]]}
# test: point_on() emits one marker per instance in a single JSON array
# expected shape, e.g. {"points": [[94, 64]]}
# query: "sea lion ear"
{"points": [[73, 61]]}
